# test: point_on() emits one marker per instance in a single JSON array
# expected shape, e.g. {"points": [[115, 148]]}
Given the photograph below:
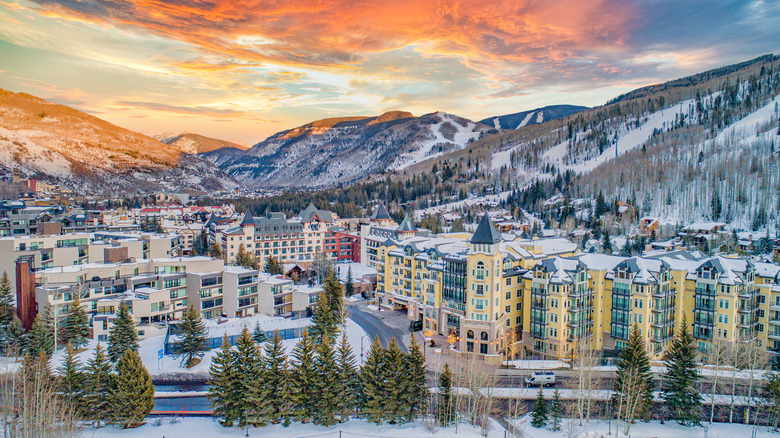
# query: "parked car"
{"points": [[541, 378]]}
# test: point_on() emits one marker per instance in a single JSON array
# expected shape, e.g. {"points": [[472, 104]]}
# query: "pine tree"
{"points": [[371, 383], [132, 393], [556, 411], [258, 334], [326, 395], [36, 371], [304, 375], [224, 384], [98, 386], [445, 408], [14, 337], [273, 267], [245, 259], [215, 251], [247, 361], [76, 324], [271, 396], [539, 413], [40, 338], [394, 382], [6, 301], [415, 394], [633, 382], [607, 242], [122, 335], [323, 319], [71, 381], [681, 378], [349, 288], [192, 340], [347, 382]]}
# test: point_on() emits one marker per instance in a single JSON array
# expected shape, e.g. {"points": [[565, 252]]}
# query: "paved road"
{"points": [[375, 327]]}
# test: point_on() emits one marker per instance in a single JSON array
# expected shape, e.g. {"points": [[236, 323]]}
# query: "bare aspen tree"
{"points": [[586, 361], [735, 361], [756, 360], [718, 356]]}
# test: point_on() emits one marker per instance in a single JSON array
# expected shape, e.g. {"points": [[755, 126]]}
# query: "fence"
{"points": [[216, 342]]}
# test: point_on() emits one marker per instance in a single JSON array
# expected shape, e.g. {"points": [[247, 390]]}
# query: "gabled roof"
{"points": [[380, 213], [486, 232], [308, 213], [406, 225]]}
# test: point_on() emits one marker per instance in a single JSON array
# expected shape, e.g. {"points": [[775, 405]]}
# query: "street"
{"points": [[384, 325]]}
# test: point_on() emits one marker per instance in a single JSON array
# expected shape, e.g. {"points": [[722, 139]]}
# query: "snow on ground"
{"points": [[426, 150], [525, 120], [457, 205], [537, 364], [169, 365], [670, 429], [501, 159], [208, 428]]}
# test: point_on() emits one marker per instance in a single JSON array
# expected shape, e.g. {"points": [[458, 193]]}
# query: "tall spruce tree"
{"points": [[373, 387], [247, 361], [122, 336], [258, 334], [71, 382], [271, 396], [445, 408], [14, 337], [76, 324], [556, 411], [394, 382], [215, 251], [633, 387], [6, 301], [323, 318], [304, 375], [539, 414], [192, 340], [40, 339], [132, 392], [680, 380], [224, 384], [347, 382], [98, 387], [272, 266], [349, 288], [414, 394], [326, 382]]}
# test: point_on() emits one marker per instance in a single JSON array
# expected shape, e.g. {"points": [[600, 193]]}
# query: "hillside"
{"points": [[190, 143], [52, 141], [342, 150], [532, 117]]}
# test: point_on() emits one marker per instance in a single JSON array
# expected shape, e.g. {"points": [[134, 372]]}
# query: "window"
{"points": [[509, 281], [508, 295], [508, 308], [470, 334], [519, 306], [483, 336], [519, 320]]}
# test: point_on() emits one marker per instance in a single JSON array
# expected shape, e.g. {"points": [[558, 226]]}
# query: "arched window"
{"points": [[470, 334], [484, 336], [480, 270]]}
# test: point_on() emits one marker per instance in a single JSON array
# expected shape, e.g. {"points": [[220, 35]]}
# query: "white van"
{"points": [[541, 378]]}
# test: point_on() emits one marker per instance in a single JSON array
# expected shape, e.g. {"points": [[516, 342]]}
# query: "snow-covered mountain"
{"points": [[191, 143], [532, 117], [343, 150], [54, 142]]}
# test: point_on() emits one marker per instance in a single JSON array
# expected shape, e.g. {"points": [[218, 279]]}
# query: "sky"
{"points": [[242, 70]]}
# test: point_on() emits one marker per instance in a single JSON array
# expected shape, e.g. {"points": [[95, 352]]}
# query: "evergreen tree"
{"points": [[371, 383], [215, 251], [132, 392], [633, 381], [446, 406], [14, 337], [681, 378], [607, 242], [394, 382], [122, 336], [323, 318], [36, 371], [539, 413], [414, 392], [76, 324], [244, 258], [247, 362], [224, 385], [192, 340], [556, 411], [304, 375], [271, 396], [349, 288], [326, 395], [40, 338], [347, 382], [6, 301], [71, 381], [258, 334], [98, 386], [273, 267]]}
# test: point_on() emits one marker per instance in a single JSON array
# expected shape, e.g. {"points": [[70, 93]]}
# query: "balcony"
{"points": [[659, 293], [580, 323], [580, 308]]}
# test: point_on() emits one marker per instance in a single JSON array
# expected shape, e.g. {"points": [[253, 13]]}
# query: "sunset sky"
{"points": [[244, 69]]}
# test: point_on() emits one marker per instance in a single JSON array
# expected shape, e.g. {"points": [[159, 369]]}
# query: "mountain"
{"points": [[190, 143], [58, 143], [342, 150], [532, 117]]}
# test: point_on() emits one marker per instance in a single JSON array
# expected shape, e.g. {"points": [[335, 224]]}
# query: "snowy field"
{"points": [[208, 428], [169, 365], [652, 429]]}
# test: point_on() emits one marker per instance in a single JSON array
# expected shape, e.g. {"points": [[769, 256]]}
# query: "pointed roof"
{"points": [[381, 213], [406, 225], [212, 220], [248, 219], [308, 213], [486, 232]]}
